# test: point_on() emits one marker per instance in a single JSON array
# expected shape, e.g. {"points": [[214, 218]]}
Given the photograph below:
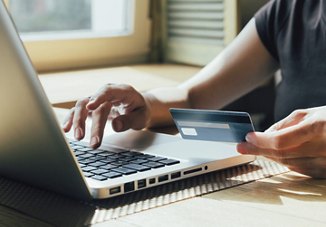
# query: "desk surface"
{"points": [[285, 200], [288, 199], [64, 88]]}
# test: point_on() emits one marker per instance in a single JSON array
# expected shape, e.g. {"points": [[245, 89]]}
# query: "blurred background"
{"points": [[63, 35]]}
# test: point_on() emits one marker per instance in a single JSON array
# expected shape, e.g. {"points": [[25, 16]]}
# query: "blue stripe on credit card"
{"points": [[212, 125]]}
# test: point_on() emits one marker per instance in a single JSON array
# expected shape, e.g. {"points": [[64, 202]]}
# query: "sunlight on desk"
{"points": [[64, 88], [296, 196]]}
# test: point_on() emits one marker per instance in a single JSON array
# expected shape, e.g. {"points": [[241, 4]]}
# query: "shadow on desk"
{"points": [[37, 207]]}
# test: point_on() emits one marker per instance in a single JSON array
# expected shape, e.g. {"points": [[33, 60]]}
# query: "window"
{"points": [[70, 34], [46, 19]]}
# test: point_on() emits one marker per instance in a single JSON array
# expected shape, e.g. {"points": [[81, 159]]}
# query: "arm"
{"points": [[241, 67]]}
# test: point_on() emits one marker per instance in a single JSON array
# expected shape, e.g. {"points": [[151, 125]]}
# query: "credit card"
{"points": [[212, 125]]}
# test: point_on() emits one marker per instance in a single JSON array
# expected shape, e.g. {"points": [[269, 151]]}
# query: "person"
{"points": [[285, 34]]}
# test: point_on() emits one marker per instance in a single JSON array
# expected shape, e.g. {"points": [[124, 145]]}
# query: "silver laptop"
{"points": [[34, 149]]}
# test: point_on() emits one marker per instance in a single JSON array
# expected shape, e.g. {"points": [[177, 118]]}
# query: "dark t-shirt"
{"points": [[294, 32]]}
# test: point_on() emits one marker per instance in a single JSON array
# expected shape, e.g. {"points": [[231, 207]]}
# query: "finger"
{"points": [[79, 119], [99, 119], [291, 120], [283, 139], [133, 120], [312, 149], [310, 166], [67, 123], [247, 148], [112, 93]]}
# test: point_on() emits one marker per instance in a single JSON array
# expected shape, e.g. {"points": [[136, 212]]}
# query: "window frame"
{"points": [[76, 53]]}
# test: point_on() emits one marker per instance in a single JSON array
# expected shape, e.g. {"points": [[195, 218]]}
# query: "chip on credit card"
{"points": [[212, 125]]}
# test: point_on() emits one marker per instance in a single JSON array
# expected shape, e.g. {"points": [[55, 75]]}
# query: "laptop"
{"points": [[34, 149]]}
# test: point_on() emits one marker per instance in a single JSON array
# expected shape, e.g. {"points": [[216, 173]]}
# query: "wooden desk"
{"points": [[285, 200], [63, 89]]}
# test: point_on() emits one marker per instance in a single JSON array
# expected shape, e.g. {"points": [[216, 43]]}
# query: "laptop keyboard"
{"points": [[104, 164]]}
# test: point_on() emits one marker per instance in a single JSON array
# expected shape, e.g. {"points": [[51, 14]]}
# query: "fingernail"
{"points": [[118, 125], [78, 133], [249, 138], [95, 141], [241, 148]]}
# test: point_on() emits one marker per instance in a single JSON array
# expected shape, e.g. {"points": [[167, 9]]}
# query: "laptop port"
{"points": [[192, 171], [152, 181], [115, 190], [141, 183], [163, 178], [175, 175], [128, 187]]}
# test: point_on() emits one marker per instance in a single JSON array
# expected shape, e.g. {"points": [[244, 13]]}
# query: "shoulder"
{"points": [[275, 13], [270, 20]]}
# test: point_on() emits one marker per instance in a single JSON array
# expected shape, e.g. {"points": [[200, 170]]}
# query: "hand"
{"points": [[298, 142], [135, 114]]}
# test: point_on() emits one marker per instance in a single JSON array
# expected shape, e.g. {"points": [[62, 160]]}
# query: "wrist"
{"points": [[149, 100]]}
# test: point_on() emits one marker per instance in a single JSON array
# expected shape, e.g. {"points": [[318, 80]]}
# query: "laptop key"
{"points": [[116, 156], [169, 162], [87, 174], [79, 159], [100, 178], [156, 159], [147, 156], [112, 174], [97, 158], [153, 165], [137, 167], [119, 163], [96, 151], [107, 161], [138, 161], [97, 164], [99, 171], [86, 161], [106, 154], [75, 147], [124, 171], [108, 166], [79, 153], [127, 159], [86, 155], [132, 154], [88, 168], [85, 149]]}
